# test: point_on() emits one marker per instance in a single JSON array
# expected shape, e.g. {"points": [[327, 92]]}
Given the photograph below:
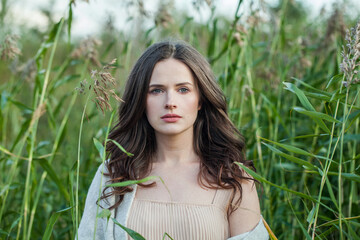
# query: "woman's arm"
{"points": [[245, 223], [247, 216]]}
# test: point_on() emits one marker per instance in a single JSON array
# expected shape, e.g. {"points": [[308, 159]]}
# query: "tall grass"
{"points": [[292, 90]]}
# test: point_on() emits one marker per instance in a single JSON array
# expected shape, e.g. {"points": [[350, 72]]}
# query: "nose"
{"points": [[170, 102], [170, 106]]}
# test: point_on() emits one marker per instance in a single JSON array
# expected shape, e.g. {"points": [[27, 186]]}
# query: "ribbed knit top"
{"points": [[152, 219]]}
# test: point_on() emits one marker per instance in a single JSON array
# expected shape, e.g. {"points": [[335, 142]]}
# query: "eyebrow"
{"points": [[178, 84]]}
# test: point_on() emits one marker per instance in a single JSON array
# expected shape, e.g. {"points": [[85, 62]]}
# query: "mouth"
{"points": [[170, 118]]}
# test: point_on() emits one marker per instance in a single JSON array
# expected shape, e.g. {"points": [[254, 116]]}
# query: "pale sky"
{"points": [[89, 17]]}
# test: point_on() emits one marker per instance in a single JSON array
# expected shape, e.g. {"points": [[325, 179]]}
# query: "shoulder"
{"points": [[247, 215], [102, 171]]}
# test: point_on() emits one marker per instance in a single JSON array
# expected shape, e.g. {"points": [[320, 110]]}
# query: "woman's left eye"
{"points": [[183, 90]]}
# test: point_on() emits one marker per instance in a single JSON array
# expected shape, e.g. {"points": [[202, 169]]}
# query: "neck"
{"points": [[175, 149]]}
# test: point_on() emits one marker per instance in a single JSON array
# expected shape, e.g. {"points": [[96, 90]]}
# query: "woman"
{"points": [[174, 120]]}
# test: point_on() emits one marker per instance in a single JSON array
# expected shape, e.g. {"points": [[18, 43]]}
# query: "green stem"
{"points": [[4, 8], [54, 150], [326, 168], [353, 189], [345, 119], [78, 167], [255, 108], [328, 160], [103, 165], [34, 131], [275, 40], [340, 195]]}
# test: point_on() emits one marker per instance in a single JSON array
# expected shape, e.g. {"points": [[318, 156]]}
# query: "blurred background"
{"points": [[89, 19], [289, 70]]}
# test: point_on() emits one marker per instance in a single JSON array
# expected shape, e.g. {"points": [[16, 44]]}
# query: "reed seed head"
{"points": [[253, 20], [141, 8], [102, 86], [9, 49], [163, 17], [208, 2], [28, 71], [335, 25], [88, 50], [351, 56]]}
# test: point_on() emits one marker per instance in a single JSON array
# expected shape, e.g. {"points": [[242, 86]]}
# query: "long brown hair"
{"points": [[217, 142]]}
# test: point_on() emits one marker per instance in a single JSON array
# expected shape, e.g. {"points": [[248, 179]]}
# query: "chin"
{"points": [[169, 133], [173, 132]]}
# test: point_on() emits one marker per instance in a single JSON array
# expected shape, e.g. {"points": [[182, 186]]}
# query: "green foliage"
{"points": [[134, 235], [54, 217], [281, 74]]}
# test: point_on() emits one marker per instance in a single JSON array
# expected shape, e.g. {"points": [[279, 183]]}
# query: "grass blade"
{"points": [[132, 182], [300, 94], [293, 149], [308, 237], [49, 228], [52, 174], [99, 147], [133, 234], [261, 179], [316, 115], [167, 235], [291, 158], [120, 147]]}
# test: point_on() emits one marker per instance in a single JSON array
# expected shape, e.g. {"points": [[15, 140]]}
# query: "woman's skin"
{"points": [[172, 105]]}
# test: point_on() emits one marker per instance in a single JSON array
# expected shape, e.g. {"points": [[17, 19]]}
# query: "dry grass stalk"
{"points": [[142, 9], [254, 19], [351, 56], [247, 90], [163, 17], [39, 111], [9, 48], [28, 71], [103, 84], [208, 2], [240, 35], [74, 2], [335, 25], [87, 49]]}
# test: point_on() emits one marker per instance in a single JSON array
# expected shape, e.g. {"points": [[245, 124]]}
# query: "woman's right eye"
{"points": [[156, 91]]}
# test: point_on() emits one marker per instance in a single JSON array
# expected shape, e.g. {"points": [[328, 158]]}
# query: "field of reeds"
{"points": [[292, 85]]}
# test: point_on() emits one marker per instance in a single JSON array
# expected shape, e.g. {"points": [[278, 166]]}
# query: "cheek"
{"points": [[195, 103], [193, 107], [150, 107]]}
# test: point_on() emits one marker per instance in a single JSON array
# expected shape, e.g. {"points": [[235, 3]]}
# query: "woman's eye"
{"points": [[183, 90], [156, 91]]}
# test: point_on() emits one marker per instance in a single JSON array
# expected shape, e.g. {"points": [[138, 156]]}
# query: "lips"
{"points": [[170, 118]]}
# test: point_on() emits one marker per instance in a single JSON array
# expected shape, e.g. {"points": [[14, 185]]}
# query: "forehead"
{"points": [[171, 71]]}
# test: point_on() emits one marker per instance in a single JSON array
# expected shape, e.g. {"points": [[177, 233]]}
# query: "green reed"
{"points": [[285, 92]]}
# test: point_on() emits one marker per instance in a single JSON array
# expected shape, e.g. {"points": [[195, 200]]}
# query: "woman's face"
{"points": [[172, 102]]}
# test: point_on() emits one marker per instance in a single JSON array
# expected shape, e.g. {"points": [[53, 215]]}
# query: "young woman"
{"points": [[174, 120]]}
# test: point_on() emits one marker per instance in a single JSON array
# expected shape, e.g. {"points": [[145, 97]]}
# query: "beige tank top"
{"points": [[152, 219]]}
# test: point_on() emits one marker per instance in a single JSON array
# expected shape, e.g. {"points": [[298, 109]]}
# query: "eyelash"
{"points": [[156, 91], [183, 88]]}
